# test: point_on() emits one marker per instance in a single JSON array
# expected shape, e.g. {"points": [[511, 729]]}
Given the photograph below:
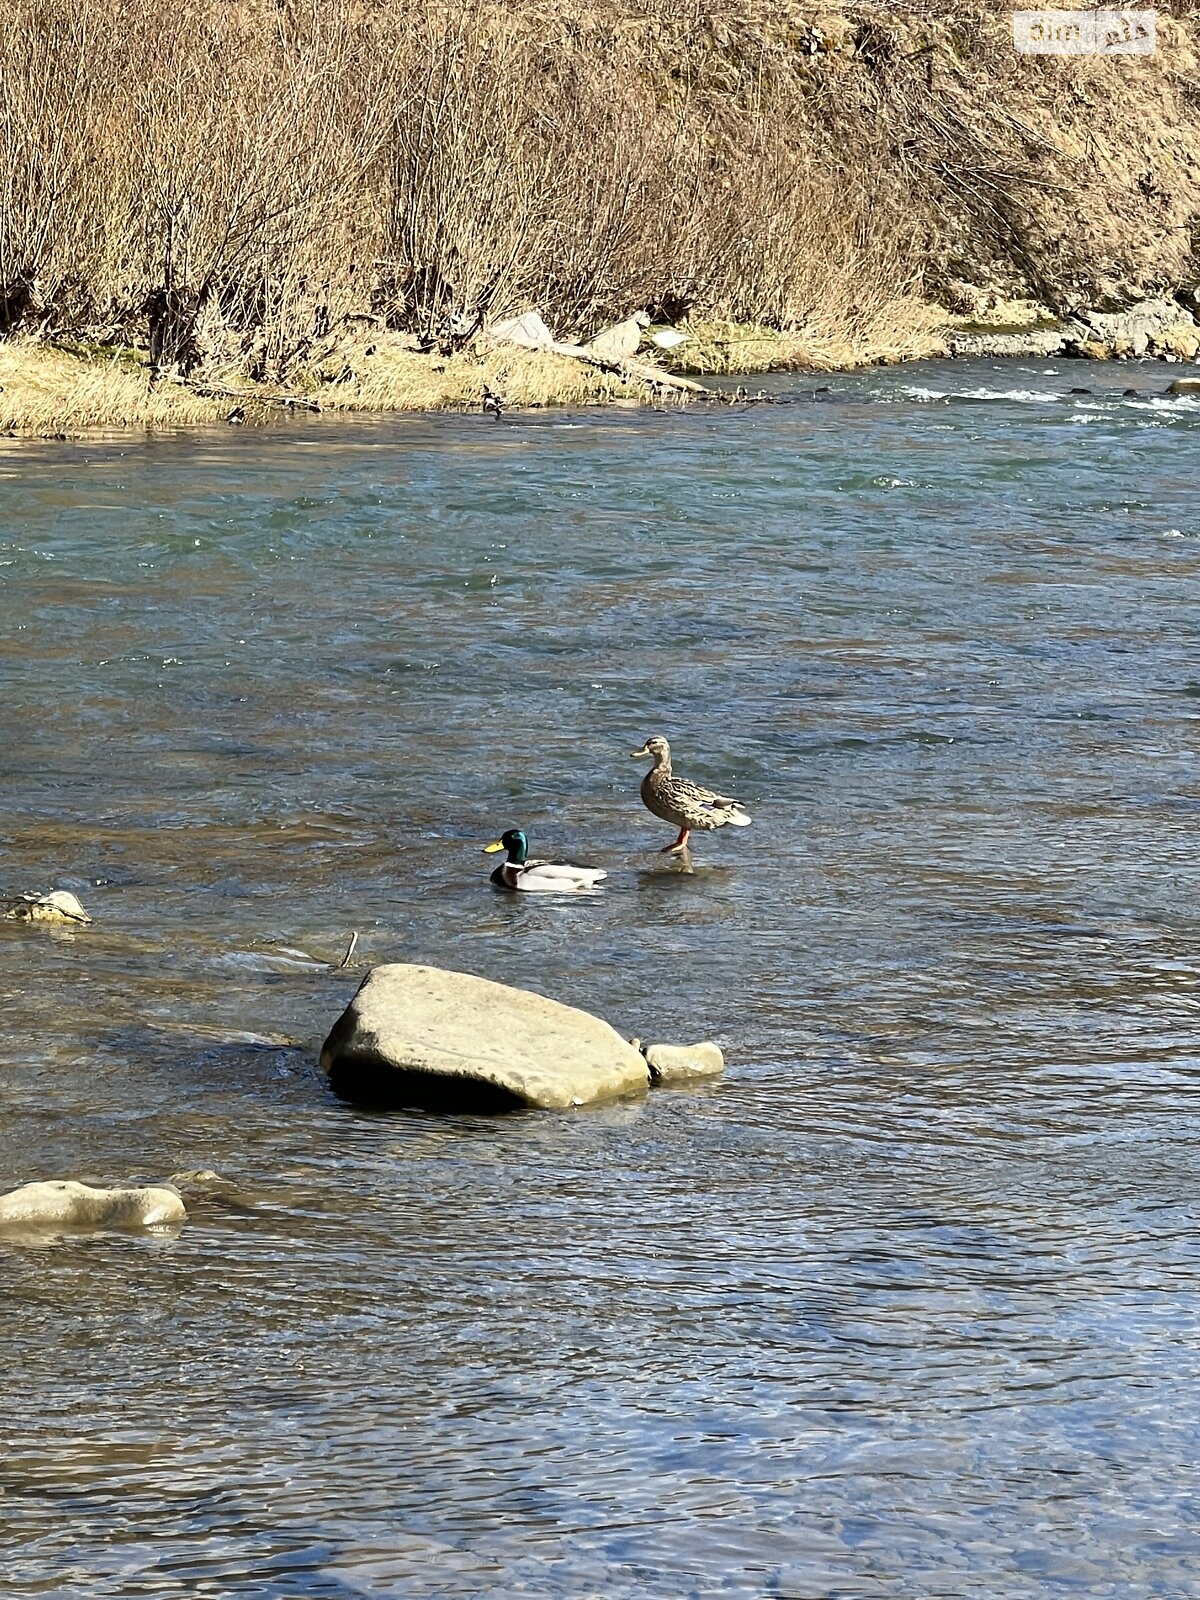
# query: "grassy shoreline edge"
{"points": [[48, 389], [52, 390]]}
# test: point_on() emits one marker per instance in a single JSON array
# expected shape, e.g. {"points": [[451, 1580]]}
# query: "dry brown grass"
{"points": [[46, 391], [896, 330], [241, 183], [397, 378]]}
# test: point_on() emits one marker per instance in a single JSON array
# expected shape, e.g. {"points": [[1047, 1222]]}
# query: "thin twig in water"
{"points": [[345, 961]]}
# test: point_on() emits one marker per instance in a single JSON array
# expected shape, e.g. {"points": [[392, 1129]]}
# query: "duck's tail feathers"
{"points": [[739, 818]]}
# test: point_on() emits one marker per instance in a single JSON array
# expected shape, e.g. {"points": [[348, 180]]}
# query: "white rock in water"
{"points": [[68, 1204], [683, 1063], [60, 905], [422, 1036]]}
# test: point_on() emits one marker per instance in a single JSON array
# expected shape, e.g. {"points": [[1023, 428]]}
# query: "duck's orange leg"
{"points": [[678, 844]]}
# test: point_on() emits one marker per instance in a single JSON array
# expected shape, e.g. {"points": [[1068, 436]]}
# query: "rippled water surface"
{"points": [[907, 1305]]}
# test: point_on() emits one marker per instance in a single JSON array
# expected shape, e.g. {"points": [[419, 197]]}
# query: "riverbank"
{"points": [[51, 391], [50, 388], [46, 390], [826, 186]]}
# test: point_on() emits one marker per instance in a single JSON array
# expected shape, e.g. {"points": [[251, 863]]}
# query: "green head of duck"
{"points": [[514, 842]]}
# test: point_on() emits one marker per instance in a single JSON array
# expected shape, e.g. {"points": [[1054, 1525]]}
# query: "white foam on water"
{"points": [[1020, 396], [1167, 402], [1094, 403]]}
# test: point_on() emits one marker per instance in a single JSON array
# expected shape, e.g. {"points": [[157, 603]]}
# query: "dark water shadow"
{"points": [[217, 1060], [377, 1086]]}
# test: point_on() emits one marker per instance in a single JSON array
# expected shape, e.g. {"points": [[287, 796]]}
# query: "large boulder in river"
{"points": [[421, 1036]]}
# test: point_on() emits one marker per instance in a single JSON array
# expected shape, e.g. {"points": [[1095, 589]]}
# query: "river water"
{"points": [[908, 1304]]}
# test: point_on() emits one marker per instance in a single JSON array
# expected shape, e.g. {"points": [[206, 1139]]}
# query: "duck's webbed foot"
{"points": [[679, 844]]}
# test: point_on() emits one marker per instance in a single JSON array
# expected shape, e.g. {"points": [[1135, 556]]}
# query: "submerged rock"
{"points": [[68, 1204], [1184, 386], [196, 1177], [59, 906], [449, 1041], [682, 1063]]}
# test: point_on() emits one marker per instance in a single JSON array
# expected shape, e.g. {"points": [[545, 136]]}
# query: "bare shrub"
{"points": [[236, 180]]}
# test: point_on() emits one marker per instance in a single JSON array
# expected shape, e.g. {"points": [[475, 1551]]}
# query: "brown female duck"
{"points": [[684, 804]]}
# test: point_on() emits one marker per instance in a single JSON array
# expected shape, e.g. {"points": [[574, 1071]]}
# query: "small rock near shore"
{"points": [[682, 1063], [448, 1041], [67, 1204], [59, 906], [1184, 386]]}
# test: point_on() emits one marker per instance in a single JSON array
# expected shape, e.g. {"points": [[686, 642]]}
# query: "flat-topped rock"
{"points": [[449, 1041], [67, 1204]]}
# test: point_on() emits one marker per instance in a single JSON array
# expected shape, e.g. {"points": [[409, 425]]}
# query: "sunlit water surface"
{"points": [[907, 1306]]}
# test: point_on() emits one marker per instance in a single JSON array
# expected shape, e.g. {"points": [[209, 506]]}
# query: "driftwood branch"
{"points": [[529, 332], [631, 370]]}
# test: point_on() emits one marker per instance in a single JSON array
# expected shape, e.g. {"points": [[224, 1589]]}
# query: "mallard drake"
{"points": [[685, 804], [518, 873]]}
